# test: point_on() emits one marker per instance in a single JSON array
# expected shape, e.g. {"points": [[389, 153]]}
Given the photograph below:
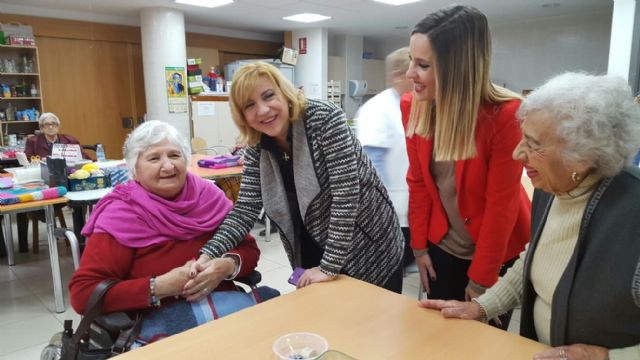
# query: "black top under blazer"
{"points": [[343, 203]]}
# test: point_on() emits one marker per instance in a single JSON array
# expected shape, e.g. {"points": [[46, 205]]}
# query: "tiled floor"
{"points": [[27, 318]]}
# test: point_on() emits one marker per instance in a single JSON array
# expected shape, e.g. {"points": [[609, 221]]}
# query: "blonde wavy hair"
{"points": [[461, 43], [244, 84]]}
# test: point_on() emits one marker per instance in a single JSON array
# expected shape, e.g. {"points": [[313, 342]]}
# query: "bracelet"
{"points": [[153, 299], [483, 313]]}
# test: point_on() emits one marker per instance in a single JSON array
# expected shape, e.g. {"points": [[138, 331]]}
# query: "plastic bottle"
{"points": [[213, 78], [34, 90], [220, 84], [10, 113], [100, 153]]}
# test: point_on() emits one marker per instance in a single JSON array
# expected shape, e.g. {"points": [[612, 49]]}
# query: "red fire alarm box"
{"points": [[302, 45]]}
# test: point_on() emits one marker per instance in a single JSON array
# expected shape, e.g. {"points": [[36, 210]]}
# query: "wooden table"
{"points": [[358, 319], [47, 205], [212, 174]]}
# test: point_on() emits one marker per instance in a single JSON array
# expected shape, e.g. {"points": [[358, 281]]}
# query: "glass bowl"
{"points": [[300, 346]]}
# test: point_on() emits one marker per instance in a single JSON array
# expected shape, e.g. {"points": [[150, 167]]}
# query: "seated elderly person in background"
{"points": [[578, 281], [145, 232], [41, 144]]}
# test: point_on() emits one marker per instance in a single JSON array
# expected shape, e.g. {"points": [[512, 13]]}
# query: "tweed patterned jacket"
{"points": [[343, 203]]}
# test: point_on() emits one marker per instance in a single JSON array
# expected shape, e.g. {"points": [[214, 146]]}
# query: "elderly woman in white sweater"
{"points": [[579, 279]]}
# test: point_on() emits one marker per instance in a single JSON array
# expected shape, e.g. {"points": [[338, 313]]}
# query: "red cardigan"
{"points": [[37, 145], [491, 200], [105, 258]]}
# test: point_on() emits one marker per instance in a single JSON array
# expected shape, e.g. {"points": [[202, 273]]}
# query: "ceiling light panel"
{"points": [[306, 17]]}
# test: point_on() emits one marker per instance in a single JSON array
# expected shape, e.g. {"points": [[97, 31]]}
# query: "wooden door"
{"points": [[94, 89]]}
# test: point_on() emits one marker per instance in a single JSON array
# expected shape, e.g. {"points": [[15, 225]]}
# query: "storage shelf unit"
{"points": [[13, 60], [334, 92]]}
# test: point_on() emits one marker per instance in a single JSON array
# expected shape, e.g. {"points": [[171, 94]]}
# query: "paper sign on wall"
{"points": [[206, 108], [70, 152]]}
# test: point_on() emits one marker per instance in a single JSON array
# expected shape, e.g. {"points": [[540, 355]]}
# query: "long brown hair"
{"points": [[461, 43]]}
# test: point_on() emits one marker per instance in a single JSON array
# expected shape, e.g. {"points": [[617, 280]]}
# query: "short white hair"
{"points": [[48, 115], [596, 116], [148, 134]]}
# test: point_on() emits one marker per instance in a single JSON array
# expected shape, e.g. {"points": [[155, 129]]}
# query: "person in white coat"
{"points": [[381, 133]]}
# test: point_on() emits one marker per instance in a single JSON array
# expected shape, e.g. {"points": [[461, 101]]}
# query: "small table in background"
{"points": [[47, 205], [212, 174]]}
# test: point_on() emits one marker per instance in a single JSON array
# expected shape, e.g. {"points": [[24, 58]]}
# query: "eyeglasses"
{"points": [[44, 125]]}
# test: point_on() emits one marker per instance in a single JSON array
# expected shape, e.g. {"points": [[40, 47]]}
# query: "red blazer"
{"points": [[491, 200], [37, 145], [105, 258]]}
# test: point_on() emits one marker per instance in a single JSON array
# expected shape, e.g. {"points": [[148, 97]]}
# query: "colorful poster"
{"points": [[176, 89]]}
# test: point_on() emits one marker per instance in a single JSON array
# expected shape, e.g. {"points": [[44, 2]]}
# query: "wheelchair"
{"points": [[106, 331]]}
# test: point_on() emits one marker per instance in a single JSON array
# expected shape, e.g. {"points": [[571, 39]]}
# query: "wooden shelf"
{"points": [[22, 55], [18, 74], [20, 98], [18, 47]]}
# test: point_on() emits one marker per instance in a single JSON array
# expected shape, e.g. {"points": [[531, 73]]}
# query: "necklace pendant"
{"points": [[286, 156]]}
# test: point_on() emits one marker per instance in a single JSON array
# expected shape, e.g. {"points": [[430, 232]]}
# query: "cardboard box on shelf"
{"points": [[20, 40]]}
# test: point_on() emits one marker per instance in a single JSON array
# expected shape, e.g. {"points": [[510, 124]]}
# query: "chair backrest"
{"points": [[90, 147], [198, 144]]}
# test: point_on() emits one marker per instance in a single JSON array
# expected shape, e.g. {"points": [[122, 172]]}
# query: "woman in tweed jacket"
{"points": [[306, 168]]}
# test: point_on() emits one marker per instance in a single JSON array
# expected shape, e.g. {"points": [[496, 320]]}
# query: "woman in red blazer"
{"points": [[468, 212]]}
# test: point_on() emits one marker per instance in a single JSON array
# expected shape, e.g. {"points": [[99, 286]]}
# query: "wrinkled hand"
{"points": [[573, 352], [203, 259], [468, 310], [311, 276], [426, 270], [172, 282], [208, 276]]}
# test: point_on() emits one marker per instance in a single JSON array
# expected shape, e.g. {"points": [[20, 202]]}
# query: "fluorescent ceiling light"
{"points": [[396, 2], [205, 3], [306, 17]]}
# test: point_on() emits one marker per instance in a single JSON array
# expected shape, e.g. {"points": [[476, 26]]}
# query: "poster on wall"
{"points": [[176, 89]]}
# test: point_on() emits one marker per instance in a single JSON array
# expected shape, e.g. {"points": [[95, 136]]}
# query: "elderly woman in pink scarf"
{"points": [[147, 231]]}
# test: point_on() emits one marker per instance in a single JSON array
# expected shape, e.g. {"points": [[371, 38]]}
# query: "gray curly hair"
{"points": [[596, 115], [148, 134]]}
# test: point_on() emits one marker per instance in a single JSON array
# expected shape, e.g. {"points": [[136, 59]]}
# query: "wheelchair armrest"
{"points": [[114, 322], [252, 279]]}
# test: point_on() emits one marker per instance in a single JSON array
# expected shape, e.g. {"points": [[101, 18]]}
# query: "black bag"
{"points": [[93, 338], [54, 172]]}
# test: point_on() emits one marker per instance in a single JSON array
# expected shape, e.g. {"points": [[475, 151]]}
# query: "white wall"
{"points": [[311, 68], [383, 47], [622, 55], [528, 53]]}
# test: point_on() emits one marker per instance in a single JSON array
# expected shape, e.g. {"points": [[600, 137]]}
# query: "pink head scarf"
{"points": [[137, 218]]}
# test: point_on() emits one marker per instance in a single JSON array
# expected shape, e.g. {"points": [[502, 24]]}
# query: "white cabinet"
{"points": [[373, 72], [211, 120]]}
